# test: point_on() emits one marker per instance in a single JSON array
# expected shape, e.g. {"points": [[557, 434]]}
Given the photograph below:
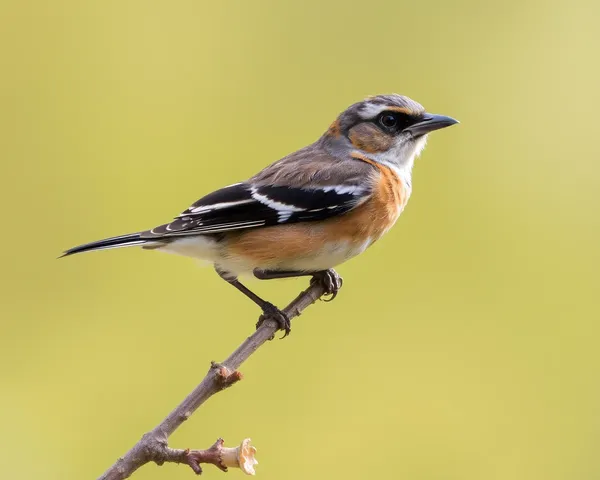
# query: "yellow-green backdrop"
{"points": [[463, 346]]}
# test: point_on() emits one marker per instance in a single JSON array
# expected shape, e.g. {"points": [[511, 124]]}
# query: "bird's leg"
{"points": [[330, 279], [269, 310]]}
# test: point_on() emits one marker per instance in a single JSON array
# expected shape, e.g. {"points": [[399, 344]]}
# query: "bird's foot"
{"points": [[331, 282], [272, 312]]}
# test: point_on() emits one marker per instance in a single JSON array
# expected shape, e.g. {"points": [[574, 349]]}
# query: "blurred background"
{"points": [[463, 345]]}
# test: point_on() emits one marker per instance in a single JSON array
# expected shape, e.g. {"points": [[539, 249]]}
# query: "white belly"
{"points": [[329, 256]]}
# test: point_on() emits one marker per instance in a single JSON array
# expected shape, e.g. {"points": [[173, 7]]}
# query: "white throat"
{"points": [[401, 158]]}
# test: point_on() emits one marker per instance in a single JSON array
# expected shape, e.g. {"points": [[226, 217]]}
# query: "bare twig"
{"points": [[153, 446]]}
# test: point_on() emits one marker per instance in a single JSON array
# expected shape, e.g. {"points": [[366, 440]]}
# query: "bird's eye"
{"points": [[388, 120]]}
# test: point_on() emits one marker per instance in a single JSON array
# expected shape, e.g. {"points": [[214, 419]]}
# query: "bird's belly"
{"points": [[326, 256], [329, 256]]}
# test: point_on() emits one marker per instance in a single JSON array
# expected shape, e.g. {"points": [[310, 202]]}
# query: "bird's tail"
{"points": [[129, 240]]}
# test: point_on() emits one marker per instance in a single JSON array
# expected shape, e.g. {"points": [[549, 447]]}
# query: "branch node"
{"points": [[225, 377], [212, 455]]}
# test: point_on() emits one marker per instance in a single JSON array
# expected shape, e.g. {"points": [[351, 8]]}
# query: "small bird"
{"points": [[309, 211]]}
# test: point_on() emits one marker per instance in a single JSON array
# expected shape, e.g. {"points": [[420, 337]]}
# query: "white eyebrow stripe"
{"points": [[371, 110]]}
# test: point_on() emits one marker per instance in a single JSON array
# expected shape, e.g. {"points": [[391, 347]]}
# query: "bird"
{"points": [[308, 212]]}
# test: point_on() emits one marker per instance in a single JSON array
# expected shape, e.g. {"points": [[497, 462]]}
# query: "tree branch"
{"points": [[153, 446]]}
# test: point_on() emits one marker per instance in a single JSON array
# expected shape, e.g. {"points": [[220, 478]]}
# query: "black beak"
{"points": [[429, 123]]}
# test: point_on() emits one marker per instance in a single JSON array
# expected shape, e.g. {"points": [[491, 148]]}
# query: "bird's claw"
{"points": [[272, 312], [331, 282]]}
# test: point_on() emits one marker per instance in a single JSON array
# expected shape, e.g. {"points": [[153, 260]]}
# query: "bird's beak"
{"points": [[429, 123]]}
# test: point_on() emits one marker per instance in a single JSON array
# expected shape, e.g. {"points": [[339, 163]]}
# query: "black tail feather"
{"points": [[129, 240]]}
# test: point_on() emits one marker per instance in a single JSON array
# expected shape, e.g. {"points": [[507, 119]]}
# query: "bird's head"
{"points": [[391, 129]]}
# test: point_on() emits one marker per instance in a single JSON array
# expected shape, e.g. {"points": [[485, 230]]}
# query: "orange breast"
{"points": [[377, 215]]}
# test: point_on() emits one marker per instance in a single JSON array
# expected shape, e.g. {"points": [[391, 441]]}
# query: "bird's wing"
{"points": [[245, 205], [263, 201]]}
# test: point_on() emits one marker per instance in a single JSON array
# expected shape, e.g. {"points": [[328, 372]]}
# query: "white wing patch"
{"points": [[284, 211]]}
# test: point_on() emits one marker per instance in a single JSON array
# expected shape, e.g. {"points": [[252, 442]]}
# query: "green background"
{"points": [[464, 345]]}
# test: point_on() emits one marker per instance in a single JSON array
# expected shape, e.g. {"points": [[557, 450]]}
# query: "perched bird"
{"points": [[311, 210]]}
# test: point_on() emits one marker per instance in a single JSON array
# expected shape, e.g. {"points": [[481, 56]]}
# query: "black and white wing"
{"points": [[252, 205]]}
